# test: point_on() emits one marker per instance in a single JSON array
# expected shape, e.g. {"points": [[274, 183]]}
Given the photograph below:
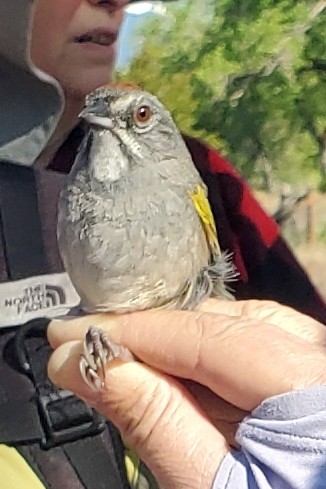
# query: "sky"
{"points": [[127, 47], [135, 14]]}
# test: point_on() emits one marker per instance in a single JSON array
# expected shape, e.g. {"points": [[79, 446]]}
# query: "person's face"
{"points": [[75, 41]]}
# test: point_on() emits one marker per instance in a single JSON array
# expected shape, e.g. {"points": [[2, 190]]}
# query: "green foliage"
{"points": [[322, 234], [249, 77]]}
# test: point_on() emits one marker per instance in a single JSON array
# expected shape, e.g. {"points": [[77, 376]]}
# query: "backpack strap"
{"points": [[21, 228], [67, 422], [68, 445]]}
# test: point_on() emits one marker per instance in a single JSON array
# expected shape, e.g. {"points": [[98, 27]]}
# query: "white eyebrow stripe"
{"points": [[122, 105]]}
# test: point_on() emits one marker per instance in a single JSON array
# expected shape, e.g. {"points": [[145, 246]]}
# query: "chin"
{"points": [[78, 85]]}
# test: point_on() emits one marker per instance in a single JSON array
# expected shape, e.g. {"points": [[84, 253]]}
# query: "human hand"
{"points": [[239, 353]]}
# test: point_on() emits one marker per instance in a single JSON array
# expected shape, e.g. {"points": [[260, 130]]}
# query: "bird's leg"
{"points": [[98, 351]]}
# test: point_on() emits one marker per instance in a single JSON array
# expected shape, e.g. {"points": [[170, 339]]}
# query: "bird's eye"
{"points": [[143, 115]]}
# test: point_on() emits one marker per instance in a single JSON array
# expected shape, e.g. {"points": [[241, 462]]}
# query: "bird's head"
{"points": [[127, 127]]}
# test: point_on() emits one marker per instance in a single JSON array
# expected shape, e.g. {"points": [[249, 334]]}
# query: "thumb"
{"points": [[157, 417]]}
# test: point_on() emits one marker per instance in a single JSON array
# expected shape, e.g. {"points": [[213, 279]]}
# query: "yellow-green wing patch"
{"points": [[200, 201]]}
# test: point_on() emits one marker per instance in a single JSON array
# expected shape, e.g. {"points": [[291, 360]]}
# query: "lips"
{"points": [[101, 37]]}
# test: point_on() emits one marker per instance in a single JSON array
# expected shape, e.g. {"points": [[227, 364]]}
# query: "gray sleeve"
{"points": [[282, 445]]}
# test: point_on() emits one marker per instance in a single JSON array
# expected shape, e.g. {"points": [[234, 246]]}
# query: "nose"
{"points": [[111, 5]]}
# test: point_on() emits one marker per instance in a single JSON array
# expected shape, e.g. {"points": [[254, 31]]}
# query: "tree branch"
{"points": [[313, 65]]}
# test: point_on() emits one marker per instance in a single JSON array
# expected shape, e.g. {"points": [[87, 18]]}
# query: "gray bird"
{"points": [[135, 229]]}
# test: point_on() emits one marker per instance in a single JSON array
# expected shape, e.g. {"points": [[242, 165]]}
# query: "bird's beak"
{"points": [[92, 115]]}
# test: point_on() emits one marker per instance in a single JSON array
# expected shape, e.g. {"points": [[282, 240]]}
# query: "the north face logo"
{"points": [[35, 298], [48, 295]]}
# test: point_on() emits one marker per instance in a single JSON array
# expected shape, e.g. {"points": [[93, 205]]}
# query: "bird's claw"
{"points": [[98, 351]]}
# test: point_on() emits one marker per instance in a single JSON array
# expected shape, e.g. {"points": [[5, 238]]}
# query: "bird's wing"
{"points": [[203, 208]]}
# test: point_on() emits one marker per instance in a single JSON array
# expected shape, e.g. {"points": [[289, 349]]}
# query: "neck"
{"points": [[68, 120]]}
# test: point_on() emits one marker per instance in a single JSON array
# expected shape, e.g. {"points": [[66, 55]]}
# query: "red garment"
{"points": [[268, 269]]}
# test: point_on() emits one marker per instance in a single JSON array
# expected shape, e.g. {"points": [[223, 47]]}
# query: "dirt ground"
{"points": [[309, 247]]}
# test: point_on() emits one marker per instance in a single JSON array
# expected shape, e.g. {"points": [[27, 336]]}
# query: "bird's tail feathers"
{"points": [[222, 271]]}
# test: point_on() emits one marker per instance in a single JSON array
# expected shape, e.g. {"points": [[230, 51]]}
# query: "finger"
{"points": [[240, 359], [223, 415], [63, 330], [153, 413], [282, 316]]}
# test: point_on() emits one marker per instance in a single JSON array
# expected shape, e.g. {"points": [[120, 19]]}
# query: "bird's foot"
{"points": [[98, 351]]}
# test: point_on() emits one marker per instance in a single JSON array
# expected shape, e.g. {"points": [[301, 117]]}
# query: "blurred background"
{"points": [[249, 78]]}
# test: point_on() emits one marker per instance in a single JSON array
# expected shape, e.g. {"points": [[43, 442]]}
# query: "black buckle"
{"points": [[64, 417], [90, 423], [36, 327]]}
